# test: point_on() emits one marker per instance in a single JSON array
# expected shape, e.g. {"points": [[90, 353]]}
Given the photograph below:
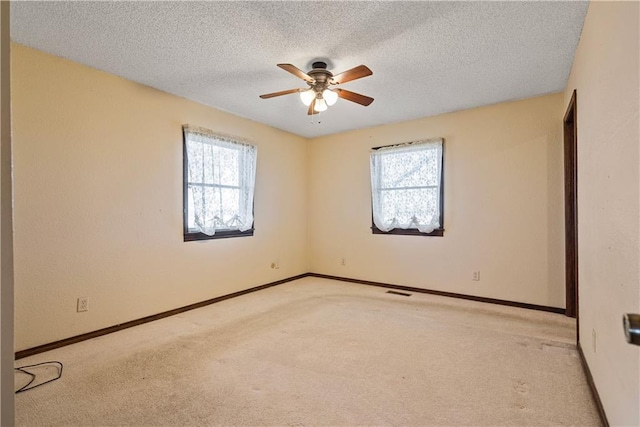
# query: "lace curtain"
{"points": [[221, 181], [405, 182]]}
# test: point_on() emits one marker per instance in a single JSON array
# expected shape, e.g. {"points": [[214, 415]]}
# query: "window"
{"points": [[219, 180], [407, 191]]}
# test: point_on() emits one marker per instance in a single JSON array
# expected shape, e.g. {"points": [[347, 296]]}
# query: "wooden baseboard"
{"points": [[443, 293], [89, 335], [592, 386]]}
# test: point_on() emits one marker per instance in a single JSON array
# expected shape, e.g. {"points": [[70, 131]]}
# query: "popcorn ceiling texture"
{"points": [[427, 57]]}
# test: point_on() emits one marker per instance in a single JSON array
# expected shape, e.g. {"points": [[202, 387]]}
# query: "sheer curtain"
{"points": [[405, 182], [221, 181]]}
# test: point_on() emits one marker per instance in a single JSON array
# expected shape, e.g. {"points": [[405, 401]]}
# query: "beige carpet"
{"points": [[323, 352]]}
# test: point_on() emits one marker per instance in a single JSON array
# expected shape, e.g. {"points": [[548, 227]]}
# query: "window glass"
{"points": [[219, 184], [406, 182]]}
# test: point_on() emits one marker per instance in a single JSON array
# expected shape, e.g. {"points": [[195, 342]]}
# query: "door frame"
{"points": [[570, 131]]}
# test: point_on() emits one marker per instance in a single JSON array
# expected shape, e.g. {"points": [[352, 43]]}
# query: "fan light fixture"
{"points": [[318, 96], [321, 105], [307, 96], [324, 100], [330, 97]]}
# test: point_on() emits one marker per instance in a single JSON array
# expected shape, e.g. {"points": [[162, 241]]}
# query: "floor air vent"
{"points": [[399, 293]]}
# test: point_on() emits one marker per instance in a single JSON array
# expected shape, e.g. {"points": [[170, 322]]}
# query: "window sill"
{"points": [[438, 232], [222, 234]]}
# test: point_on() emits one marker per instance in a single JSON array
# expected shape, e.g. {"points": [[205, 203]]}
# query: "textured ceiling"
{"points": [[427, 58]]}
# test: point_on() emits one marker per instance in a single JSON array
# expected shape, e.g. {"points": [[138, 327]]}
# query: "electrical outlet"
{"points": [[593, 339], [343, 262], [476, 276], [83, 304]]}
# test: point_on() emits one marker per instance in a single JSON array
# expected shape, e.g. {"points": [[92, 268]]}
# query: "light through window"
{"points": [[219, 185], [406, 182]]}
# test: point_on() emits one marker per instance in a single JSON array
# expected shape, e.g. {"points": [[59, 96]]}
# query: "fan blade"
{"points": [[354, 97], [355, 73], [296, 72], [284, 92], [311, 109]]}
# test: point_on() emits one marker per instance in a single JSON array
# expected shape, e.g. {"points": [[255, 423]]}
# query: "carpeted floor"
{"points": [[322, 352]]}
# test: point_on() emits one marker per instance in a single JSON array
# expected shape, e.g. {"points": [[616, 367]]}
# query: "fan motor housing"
{"points": [[321, 75]]}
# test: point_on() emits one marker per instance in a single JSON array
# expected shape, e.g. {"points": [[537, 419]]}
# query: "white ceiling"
{"points": [[427, 58]]}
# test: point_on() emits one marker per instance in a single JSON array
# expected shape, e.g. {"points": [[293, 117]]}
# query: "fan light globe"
{"points": [[330, 97], [321, 105], [307, 96]]}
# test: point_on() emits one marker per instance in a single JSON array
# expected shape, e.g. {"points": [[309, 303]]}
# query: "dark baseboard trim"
{"points": [[592, 386], [100, 332], [89, 335], [443, 293]]}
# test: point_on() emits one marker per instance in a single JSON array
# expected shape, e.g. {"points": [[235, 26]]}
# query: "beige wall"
{"points": [[605, 73], [98, 202], [503, 205]]}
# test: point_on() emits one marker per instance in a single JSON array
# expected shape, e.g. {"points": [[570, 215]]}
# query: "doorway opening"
{"points": [[571, 208]]}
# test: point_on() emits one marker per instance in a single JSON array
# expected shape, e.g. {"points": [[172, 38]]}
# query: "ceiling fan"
{"points": [[320, 94]]}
